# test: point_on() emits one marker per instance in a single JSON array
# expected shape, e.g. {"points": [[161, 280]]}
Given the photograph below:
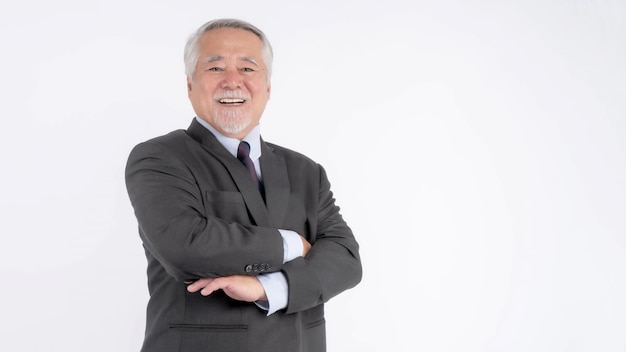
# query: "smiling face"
{"points": [[230, 87]]}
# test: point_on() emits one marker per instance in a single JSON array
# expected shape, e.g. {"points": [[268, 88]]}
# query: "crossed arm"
{"points": [[208, 253], [238, 287]]}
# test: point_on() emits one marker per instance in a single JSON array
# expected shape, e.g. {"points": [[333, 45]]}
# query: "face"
{"points": [[229, 89]]}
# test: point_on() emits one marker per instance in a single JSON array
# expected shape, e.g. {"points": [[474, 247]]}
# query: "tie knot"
{"points": [[243, 151]]}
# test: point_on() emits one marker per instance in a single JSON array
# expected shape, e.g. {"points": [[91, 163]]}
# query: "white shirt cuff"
{"points": [[276, 290], [292, 245]]}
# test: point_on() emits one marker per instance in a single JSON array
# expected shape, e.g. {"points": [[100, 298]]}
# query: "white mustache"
{"points": [[231, 94]]}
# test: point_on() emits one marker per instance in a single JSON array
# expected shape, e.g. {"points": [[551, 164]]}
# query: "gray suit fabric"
{"points": [[200, 215]]}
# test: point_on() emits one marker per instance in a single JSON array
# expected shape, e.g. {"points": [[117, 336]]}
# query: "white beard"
{"points": [[232, 120]]}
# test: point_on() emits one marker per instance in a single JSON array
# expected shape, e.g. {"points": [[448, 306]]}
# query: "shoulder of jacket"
{"points": [[290, 154]]}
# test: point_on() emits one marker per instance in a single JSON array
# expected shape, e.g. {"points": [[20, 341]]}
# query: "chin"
{"points": [[234, 127], [232, 121]]}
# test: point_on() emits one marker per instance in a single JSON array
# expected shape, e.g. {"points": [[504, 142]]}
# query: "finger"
{"points": [[214, 285], [198, 284]]}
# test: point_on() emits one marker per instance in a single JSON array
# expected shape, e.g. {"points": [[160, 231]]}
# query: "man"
{"points": [[242, 255]]}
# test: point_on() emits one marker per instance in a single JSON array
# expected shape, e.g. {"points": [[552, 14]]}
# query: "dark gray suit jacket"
{"points": [[200, 215]]}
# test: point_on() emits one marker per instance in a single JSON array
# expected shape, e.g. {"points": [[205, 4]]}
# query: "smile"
{"points": [[231, 101]]}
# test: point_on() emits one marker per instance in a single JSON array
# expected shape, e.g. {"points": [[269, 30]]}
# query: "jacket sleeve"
{"points": [[333, 264], [174, 224]]}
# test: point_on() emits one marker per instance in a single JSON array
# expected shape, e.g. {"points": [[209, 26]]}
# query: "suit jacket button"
{"points": [[248, 268], [255, 267], [262, 267]]}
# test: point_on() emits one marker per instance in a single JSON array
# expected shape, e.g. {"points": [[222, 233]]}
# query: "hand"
{"points": [[306, 246], [238, 287]]}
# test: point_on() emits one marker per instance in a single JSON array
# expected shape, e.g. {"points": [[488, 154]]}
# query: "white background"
{"points": [[487, 192]]}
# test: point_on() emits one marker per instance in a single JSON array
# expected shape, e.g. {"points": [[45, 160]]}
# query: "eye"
{"points": [[214, 69], [247, 69]]}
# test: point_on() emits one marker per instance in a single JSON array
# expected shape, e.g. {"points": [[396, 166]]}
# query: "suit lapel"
{"points": [[241, 177], [276, 182]]}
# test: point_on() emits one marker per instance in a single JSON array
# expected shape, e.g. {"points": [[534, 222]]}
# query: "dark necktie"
{"points": [[243, 154]]}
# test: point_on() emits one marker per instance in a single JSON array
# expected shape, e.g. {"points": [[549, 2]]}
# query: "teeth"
{"points": [[231, 101]]}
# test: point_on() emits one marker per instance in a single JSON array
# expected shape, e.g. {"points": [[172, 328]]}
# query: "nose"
{"points": [[231, 79]]}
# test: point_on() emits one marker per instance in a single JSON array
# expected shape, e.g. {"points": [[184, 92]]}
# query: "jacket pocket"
{"points": [[314, 336], [209, 327], [315, 323], [225, 205], [205, 337]]}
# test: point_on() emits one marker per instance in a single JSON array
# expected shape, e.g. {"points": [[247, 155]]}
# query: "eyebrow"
{"points": [[250, 60], [215, 58]]}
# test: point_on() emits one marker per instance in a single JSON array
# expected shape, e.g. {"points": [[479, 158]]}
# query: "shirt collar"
{"points": [[231, 144]]}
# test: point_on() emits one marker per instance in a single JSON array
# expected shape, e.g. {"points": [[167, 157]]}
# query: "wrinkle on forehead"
{"points": [[215, 58]]}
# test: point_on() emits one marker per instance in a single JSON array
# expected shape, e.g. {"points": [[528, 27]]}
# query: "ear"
{"points": [[189, 83], [269, 89]]}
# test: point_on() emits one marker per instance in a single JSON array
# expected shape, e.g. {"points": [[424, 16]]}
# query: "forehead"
{"points": [[230, 41]]}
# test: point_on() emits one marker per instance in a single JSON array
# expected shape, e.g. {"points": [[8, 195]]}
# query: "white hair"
{"points": [[192, 54]]}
